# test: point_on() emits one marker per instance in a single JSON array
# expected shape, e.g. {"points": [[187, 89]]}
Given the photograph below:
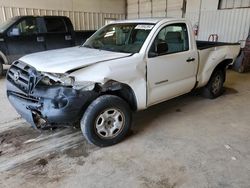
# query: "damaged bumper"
{"points": [[50, 105], [44, 104]]}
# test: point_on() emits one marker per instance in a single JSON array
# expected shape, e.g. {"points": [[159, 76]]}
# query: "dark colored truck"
{"points": [[29, 34]]}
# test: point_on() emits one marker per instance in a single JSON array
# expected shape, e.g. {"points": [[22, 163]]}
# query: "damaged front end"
{"points": [[45, 99]]}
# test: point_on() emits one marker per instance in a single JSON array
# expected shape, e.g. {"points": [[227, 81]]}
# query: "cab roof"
{"points": [[149, 20]]}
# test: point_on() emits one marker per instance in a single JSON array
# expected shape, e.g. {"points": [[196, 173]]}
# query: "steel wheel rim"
{"points": [[109, 123], [216, 84]]}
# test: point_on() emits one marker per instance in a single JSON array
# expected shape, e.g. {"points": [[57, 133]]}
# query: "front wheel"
{"points": [[214, 88], [106, 121]]}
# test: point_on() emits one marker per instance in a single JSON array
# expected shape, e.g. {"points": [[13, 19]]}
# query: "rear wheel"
{"points": [[106, 121], [214, 88]]}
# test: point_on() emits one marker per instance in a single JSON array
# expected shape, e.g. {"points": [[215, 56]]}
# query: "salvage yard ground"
{"points": [[186, 142]]}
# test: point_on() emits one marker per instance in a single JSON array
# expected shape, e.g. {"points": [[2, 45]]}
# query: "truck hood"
{"points": [[68, 59]]}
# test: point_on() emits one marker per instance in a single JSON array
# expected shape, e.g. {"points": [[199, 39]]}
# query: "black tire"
{"points": [[1, 69], [94, 115], [214, 88]]}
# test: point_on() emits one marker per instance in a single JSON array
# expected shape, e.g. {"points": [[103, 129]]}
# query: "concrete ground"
{"points": [[188, 142]]}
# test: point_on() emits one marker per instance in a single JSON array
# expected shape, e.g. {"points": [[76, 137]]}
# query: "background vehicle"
{"points": [[125, 66], [28, 34]]}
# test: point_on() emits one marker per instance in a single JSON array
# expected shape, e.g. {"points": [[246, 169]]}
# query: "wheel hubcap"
{"points": [[216, 84], [109, 123]]}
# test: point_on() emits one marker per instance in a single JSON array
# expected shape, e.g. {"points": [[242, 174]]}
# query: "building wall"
{"points": [[85, 14], [154, 8], [231, 25]]}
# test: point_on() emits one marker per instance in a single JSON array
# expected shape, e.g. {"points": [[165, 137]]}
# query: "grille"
{"points": [[20, 74]]}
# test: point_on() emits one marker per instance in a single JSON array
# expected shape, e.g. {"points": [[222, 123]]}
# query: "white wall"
{"points": [[84, 14], [154, 8], [208, 5], [193, 5], [105, 6], [231, 25]]}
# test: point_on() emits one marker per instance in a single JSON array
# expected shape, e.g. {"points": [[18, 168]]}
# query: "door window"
{"points": [[55, 25], [171, 39], [27, 26]]}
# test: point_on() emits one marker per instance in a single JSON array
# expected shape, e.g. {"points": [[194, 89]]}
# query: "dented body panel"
{"points": [[211, 58], [58, 85], [50, 105]]}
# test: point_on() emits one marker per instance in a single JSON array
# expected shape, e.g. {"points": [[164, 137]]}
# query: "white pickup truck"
{"points": [[125, 66]]}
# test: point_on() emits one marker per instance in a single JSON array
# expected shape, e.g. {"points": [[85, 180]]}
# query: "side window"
{"points": [[55, 25], [171, 39], [26, 27]]}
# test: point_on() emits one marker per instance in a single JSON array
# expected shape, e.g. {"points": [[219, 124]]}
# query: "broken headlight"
{"points": [[65, 80], [87, 86], [57, 79]]}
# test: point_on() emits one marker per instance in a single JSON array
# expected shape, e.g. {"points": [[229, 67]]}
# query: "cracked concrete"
{"points": [[186, 142]]}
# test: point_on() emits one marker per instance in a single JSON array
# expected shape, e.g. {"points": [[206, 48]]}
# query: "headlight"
{"points": [[87, 86], [67, 81], [58, 79]]}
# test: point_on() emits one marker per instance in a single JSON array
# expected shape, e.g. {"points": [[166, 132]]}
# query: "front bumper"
{"points": [[51, 104]]}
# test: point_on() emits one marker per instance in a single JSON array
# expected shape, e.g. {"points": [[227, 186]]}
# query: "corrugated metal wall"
{"points": [[230, 25], [80, 20], [154, 8]]}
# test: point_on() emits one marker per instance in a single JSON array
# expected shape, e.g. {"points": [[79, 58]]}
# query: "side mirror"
{"points": [[162, 48]]}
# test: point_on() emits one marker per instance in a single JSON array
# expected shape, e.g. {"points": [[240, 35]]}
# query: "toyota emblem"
{"points": [[16, 76]]}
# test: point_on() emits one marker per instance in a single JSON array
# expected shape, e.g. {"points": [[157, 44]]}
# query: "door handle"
{"points": [[40, 39], [68, 37], [190, 59]]}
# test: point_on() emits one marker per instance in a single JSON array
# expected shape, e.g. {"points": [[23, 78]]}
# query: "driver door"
{"points": [[172, 73], [23, 38]]}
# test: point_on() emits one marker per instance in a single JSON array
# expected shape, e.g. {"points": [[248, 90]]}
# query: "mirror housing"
{"points": [[162, 48]]}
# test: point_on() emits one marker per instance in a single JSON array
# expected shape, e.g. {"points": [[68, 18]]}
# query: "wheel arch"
{"points": [[222, 66], [121, 90], [210, 69]]}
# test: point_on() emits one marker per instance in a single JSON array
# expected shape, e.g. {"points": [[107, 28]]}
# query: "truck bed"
{"points": [[201, 45]]}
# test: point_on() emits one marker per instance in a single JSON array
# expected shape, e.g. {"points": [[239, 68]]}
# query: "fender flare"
{"points": [[121, 90], [223, 66]]}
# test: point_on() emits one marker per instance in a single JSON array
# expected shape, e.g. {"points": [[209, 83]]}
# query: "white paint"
{"points": [[66, 59], [100, 66], [176, 74], [209, 58]]}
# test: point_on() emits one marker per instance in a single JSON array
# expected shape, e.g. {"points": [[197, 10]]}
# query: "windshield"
{"points": [[7, 24], [127, 38]]}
